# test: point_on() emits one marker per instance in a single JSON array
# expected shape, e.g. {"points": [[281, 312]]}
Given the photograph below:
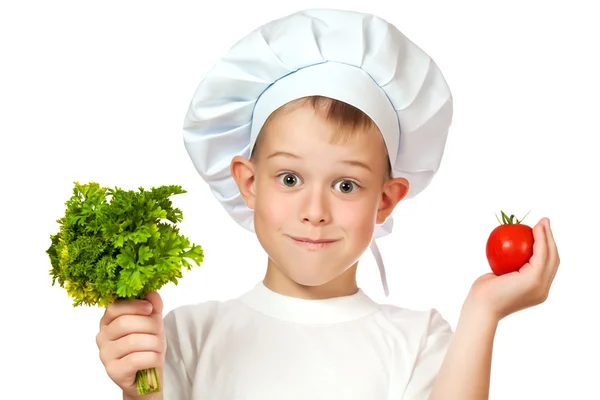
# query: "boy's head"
{"points": [[319, 172], [297, 168]]}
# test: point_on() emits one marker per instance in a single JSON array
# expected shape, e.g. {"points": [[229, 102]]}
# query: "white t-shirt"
{"points": [[267, 346]]}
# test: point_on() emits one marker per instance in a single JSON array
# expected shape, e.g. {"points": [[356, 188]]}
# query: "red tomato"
{"points": [[510, 246]]}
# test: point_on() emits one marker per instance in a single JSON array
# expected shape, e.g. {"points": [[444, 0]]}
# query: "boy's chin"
{"points": [[313, 280]]}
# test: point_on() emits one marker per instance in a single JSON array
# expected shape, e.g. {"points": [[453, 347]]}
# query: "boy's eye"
{"points": [[346, 186], [289, 180]]}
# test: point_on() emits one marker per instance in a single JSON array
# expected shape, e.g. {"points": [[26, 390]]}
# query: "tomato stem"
{"points": [[506, 220]]}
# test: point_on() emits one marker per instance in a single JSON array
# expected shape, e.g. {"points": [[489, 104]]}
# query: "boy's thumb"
{"points": [[156, 301]]}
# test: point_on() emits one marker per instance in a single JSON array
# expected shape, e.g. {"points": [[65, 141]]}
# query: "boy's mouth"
{"points": [[313, 243]]}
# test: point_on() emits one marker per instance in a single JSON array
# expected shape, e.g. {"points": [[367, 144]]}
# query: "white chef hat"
{"points": [[353, 57]]}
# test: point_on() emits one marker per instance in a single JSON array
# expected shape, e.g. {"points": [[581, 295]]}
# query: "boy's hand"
{"points": [[500, 296], [132, 338]]}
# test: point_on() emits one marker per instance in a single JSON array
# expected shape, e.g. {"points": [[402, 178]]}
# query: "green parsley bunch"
{"points": [[120, 244]]}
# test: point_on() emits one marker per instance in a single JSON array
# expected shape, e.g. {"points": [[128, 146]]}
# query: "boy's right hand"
{"points": [[132, 338]]}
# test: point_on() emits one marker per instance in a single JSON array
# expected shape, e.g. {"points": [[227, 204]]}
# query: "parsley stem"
{"points": [[147, 381]]}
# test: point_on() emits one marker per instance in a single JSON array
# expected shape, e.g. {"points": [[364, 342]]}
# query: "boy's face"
{"points": [[316, 202]]}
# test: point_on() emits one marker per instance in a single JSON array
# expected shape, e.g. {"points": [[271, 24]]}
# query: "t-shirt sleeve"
{"points": [[177, 384], [433, 349]]}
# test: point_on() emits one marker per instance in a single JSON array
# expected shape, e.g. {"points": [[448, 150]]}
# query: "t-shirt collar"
{"points": [[309, 311]]}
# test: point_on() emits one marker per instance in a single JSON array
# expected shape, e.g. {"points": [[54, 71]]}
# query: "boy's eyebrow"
{"points": [[283, 154], [291, 155]]}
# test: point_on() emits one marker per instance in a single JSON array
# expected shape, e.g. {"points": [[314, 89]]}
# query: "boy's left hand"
{"points": [[500, 296]]}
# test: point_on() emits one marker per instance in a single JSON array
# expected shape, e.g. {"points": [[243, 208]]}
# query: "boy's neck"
{"points": [[343, 285]]}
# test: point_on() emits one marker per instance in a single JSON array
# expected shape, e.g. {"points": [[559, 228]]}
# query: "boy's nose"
{"points": [[316, 209]]}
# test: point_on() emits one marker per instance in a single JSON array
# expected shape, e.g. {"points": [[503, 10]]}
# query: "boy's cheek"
{"points": [[356, 214], [278, 212], [274, 206]]}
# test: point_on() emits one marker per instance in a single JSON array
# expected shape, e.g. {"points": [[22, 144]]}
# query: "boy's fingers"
{"points": [[554, 257], [138, 361], [137, 342], [125, 307], [540, 248], [156, 301], [125, 369], [128, 324]]}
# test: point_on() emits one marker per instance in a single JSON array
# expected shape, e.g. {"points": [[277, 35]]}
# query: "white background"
{"points": [[97, 91]]}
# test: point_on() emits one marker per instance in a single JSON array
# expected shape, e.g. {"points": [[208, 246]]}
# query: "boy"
{"points": [[310, 131]]}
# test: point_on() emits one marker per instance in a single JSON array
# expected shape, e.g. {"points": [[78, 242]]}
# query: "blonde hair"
{"points": [[347, 119]]}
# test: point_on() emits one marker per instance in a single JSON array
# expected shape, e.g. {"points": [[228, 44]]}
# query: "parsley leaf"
{"points": [[116, 243]]}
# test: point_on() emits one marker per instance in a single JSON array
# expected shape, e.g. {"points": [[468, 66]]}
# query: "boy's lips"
{"points": [[314, 241], [313, 244]]}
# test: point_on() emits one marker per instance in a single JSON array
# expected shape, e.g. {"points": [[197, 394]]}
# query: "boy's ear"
{"points": [[242, 171], [394, 190]]}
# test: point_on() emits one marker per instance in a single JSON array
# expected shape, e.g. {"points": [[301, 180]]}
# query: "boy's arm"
{"points": [[465, 372]]}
